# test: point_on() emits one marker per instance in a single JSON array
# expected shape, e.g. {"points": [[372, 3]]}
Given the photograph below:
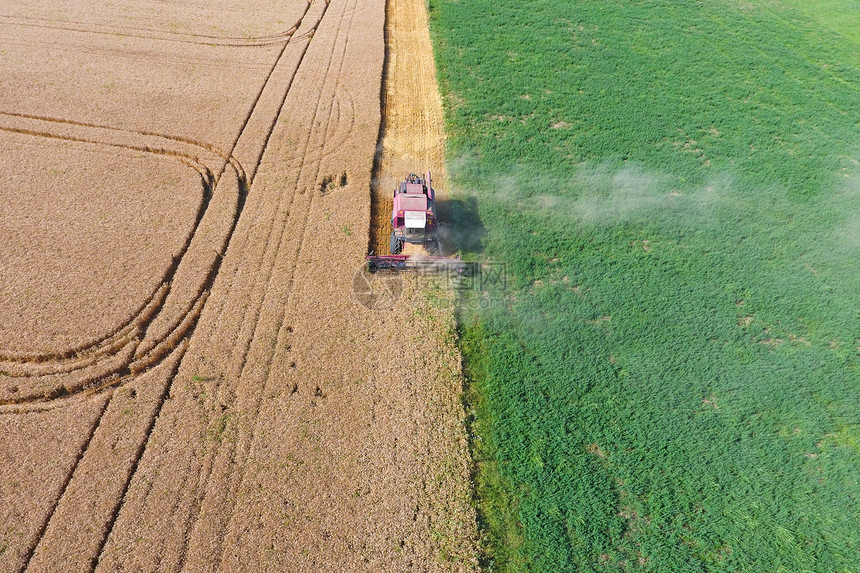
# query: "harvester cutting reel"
{"points": [[420, 263]]}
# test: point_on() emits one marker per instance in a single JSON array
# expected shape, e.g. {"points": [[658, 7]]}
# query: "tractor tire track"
{"points": [[55, 549], [193, 473], [232, 467], [249, 182], [211, 180], [272, 428], [269, 252], [175, 336], [41, 532], [276, 38], [225, 458], [141, 320], [306, 35]]}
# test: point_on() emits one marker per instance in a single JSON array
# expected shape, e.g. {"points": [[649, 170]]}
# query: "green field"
{"points": [[670, 380]]}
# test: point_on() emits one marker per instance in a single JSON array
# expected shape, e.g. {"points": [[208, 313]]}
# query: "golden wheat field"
{"points": [[188, 381]]}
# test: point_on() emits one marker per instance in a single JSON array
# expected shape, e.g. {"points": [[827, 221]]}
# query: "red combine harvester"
{"points": [[413, 217], [413, 220]]}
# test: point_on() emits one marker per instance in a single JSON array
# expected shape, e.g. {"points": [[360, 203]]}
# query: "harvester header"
{"points": [[420, 263]]}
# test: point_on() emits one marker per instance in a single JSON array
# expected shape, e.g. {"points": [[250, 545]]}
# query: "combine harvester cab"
{"points": [[413, 220], [413, 217]]}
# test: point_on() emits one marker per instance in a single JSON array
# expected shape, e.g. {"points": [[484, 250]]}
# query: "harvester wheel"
{"points": [[396, 245]]}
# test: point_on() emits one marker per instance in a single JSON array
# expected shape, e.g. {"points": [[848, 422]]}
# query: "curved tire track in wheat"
{"points": [[19, 367], [210, 172], [140, 32], [229, 161], [65, 365]]}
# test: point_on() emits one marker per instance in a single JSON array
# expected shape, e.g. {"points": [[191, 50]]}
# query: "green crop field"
{"points": [[669, 380]]}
